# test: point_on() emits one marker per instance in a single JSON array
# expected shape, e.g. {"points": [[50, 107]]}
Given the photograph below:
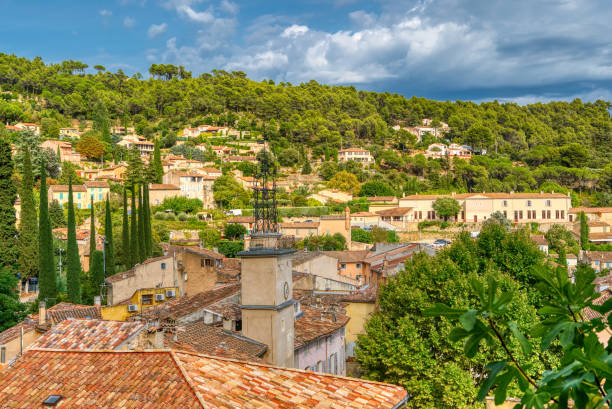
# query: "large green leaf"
{"points": [[525, 344]]}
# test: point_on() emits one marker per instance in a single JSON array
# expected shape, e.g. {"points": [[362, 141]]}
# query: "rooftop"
{"points": [[591, 209], [172, 379], [91, 183], [163, 186], [485, 195], [316, 323], [64, 188], [83, 334], [182, 306], [348, 256], [130, 273]]}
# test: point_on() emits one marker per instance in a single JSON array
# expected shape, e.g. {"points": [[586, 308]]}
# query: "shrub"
{"points": [[159, 216], [171, 216], [180, 205], [182, 216], [230, 248], [192, 218], [361, 236]]}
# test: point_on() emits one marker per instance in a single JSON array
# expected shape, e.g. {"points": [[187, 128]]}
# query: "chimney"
{"points": [[512, 192], [2, 354], [553, 192], [158, 340], [347, 218], [453, 194], [42, 313], [97, 301]]}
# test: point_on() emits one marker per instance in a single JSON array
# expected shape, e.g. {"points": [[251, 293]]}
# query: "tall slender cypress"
{"points": [[158, 167], [133, 230], [9, 245], [28, 226], [147, 220], [92, 231], [142, 256], [125, 236], [47, 279], [96, 271], [73, 270], [109, 246]]}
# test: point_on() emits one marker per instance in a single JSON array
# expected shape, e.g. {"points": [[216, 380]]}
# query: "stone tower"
{"points": [[267, 285]]}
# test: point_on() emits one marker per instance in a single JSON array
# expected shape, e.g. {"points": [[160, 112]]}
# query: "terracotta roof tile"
{"points": [[229, 310], [315, 323], [203, 252], [169, 380], [79, 334], [64, 188], [93, 183], [14, 332], [206, 339], [348, 256], [396, 211], [163, 186], [179, 307]]}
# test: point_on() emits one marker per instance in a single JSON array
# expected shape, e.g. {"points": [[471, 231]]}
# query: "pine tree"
{"points": [[28, 226], [9, 248], [147, 222], [158, 167], [125, 236], [109, 246], [135, 168], [92, 231], [73, 269], [306, 169], [101, 122], [133, 231], [96, 272], [142, 256], [47, 280], [584, 231]]}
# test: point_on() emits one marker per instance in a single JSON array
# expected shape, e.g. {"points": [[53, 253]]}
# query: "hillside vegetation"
{"points": [[532, 147]]}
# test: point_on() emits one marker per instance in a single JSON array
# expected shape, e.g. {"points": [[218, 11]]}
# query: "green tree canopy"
{"points": [[446, 207]]}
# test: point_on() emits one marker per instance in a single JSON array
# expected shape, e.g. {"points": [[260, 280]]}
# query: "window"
{"points": [[163, 266], [528, 203], [61, 195], [505, 214], [342, 266], [505, 203], [556, 214], [548, 214], [358, 265], [548, 203], [147, 299], [516, 215], [78, 195], [320, 366], [99, 189], [79, 206], [100, 196], [206, 262], [563, 214]]}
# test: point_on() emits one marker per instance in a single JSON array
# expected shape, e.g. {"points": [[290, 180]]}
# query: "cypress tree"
{"points": [[109, 246], [125, 236], [47, 280], [158, 167], [9, 248], [142, 256], [147, 219], [133, 231], [584, 231], [92, 231], [28, 227], [73, 270], [96, 272]]}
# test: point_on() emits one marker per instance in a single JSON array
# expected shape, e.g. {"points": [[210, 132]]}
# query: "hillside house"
{"points": [[356, 154], [142, 144]]}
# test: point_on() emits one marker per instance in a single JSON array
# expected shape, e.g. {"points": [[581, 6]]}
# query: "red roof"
{"points": [[169, 379]]}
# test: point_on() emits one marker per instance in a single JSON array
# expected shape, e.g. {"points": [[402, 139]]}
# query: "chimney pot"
{"points": [[98, 301], [42, 313], [2, 354]]}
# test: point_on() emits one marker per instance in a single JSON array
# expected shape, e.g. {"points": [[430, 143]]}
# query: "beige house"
{"points": [[160, 192], [65, 150], [27, 126], [99, 190], [601, 214], [115, 173], [79, 195], [192, 185], [543, 208], [333, 195], [356, 154], [598, 260], [145, 147], [300, 230]]}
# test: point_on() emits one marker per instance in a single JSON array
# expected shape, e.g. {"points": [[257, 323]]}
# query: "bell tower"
{"points": [[266, 275]]}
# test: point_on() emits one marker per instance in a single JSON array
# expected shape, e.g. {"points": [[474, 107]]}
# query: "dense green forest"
{"points": [[553, 146]]}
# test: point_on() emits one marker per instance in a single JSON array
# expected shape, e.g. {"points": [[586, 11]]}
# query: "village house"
{"points": [[398, 217], [79, 195], [99, 190], [69, 133], [595, 214], [142, 299], [208, 171], [219, 150], [121, 130], [194, 132], [115, 173], [160, 192], [300, 230], [26, 126], [239, 158], [182, 380], [317, 271], [543, 208], [65, 150], [144, 146], [598, 260], [192, 185], [332, 195], [356, 154]]}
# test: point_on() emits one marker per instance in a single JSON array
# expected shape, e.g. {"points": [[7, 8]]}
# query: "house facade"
{"points": [[193, 185], [355, 154], [160, 192]]}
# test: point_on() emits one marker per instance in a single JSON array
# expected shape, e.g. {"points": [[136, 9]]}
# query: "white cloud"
{"points": [[229, 7], [157, 29], [198, 16], [129, 22], [294, 31], [106, 13]]}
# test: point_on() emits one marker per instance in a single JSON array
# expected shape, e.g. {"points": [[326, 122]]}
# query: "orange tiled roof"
{"points": [[316, 323], [15, 331], [490, 196], [163, 186], [211, 340], [591, 209], [300, 225], [203, 252], [179, 307], [348, 256], [90, 183], [242, 219], [170, 379], [64, 188], [73, 334], [396, 211]]}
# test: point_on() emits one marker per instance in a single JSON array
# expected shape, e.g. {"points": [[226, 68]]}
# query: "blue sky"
{"points": [[519, 50]]}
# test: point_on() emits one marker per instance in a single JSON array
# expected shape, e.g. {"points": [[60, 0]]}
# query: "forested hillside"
{"points": [[566, 144]]}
